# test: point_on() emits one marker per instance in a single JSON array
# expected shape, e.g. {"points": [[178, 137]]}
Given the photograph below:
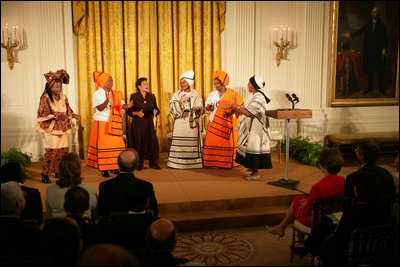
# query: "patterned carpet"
{"points": [[238, 247]]}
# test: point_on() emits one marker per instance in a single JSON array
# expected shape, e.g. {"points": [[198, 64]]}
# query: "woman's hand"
{"points": [[76, 116], [140, 113], [155, 112], [210, 107]]}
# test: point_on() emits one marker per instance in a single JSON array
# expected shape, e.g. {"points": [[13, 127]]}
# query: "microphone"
{"points": [[295, 98], [289, 97]]}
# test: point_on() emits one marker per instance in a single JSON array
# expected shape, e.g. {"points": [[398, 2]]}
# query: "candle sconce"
{"points": [[11, 41], [285, 41]]}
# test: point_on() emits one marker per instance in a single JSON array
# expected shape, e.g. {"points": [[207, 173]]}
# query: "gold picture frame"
{"points": [[349, 79]]}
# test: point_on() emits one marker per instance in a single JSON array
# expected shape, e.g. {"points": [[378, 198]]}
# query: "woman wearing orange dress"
{"points": [[221, 140]]}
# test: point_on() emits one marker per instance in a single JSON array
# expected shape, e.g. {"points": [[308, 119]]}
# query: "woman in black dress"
{"points": [[143, 134]]}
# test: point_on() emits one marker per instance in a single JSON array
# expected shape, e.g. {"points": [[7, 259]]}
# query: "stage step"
{"points": [[230, 213]]}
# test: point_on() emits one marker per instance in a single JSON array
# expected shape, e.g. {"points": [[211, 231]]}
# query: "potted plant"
{"points": [[304, 150], [15, 155]]}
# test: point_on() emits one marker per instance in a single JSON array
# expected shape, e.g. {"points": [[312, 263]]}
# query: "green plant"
{"points": [[15, 155], [304, 150]]}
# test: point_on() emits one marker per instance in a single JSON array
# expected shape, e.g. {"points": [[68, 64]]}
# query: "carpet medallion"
{"points": [[213, 248]]}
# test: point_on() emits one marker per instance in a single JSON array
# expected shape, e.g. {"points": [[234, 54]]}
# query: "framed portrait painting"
{"points": [[364, 53]]}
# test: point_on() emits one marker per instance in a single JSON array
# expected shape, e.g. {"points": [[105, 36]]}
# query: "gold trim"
{"points": [[333, 102]]}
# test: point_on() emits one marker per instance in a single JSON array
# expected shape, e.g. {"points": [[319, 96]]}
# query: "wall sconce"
{"points": [[285, 40], [10, 40]]}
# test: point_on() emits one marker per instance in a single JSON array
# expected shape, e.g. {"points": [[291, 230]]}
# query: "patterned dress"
{"points": [[186, 144], [55, 131]]}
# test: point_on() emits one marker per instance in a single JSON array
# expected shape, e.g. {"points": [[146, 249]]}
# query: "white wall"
{"points": [[247, 50], [49, 47]]}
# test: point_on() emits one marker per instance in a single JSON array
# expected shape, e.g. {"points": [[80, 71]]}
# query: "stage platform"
{"points": [[207, 199]]}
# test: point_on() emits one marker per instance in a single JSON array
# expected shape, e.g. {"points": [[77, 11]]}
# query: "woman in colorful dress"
{"points": [[143, 134], [253, 143], [106, 141], [54, 121], [186, 107], [221, 139]]}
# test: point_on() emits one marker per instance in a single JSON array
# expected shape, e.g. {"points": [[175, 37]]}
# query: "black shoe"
{"points": [[46, 179], [115, 172], [105, 174], [157, 167], [56, 175]]}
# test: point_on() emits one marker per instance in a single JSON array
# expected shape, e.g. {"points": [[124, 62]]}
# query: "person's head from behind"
{"points": [[63, 240], [136, 196], [161, 236], [107, 255], [12, 171], [12, 199], [128, 160], [76, 201], [368, 151], [366, 187], [70, 170], [330, 160]]}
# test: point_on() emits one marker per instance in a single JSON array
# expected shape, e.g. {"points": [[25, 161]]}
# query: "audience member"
{"points": [[332, 185], [63, 241], [110, 197], [21, 243], [367, 154], [396, 173], [70, 175], [366, 209], [128, 228], [161, 240], [107, 255], [76, 202], [13, 171]]}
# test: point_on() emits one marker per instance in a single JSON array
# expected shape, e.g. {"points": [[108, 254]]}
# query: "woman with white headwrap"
{"points": [[253, 143], [186, 107]]}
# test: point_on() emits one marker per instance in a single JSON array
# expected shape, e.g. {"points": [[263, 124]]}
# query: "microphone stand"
{"points": [[286, 182]]}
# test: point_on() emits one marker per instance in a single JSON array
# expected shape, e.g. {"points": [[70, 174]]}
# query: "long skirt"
{"points": [[104, 148], [55, 146]]}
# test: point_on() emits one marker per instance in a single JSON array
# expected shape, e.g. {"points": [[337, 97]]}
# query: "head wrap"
{"points": [[188, 76], [222, 76], [257, 82], [100, 78], [59, 76]]}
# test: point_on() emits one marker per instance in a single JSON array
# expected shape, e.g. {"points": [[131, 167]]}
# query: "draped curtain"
{"points": [[154, 39]]}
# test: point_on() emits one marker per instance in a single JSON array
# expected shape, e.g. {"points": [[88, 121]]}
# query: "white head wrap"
{"points": [[258, 81], [188, 76]]}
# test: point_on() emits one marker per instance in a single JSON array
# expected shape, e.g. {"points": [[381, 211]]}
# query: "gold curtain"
{"points": [[154, 39]]}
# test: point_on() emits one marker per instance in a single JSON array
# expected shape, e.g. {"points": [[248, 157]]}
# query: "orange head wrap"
{"points": [[222, 76], [100, 78]]}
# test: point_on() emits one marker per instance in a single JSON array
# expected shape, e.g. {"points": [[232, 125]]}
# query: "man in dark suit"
{"points": [[367, 154], [21, 241], [374, 51], [110, 197], [13, 171], [128, 228]]}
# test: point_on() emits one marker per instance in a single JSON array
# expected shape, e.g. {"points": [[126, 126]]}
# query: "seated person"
{"points": [[161, 240], [107, 255], [76, 202], [13, 171], [332, 185], [366, 209], [367, 154], [63, 241], [21, 242], [128, 228], [70, 176]]}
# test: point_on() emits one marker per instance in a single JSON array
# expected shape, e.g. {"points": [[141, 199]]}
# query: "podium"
{"points": [[288, 114]]}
